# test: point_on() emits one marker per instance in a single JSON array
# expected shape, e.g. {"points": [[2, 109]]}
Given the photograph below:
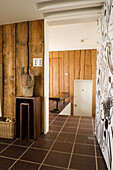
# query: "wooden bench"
{"points": [[57, 98]]}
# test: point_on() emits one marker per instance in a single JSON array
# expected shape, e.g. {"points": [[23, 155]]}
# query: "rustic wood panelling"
{"points": [[15, 57], [36, 50], [9, 69], [65, 66], [0, 44], [21, 35]]}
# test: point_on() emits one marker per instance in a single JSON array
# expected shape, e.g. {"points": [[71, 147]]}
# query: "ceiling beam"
{"points": [[72, 20], [59, 5], [75, 12]]}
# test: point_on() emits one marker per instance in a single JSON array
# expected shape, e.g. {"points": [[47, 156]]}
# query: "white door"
{"points": [[83, 97]]}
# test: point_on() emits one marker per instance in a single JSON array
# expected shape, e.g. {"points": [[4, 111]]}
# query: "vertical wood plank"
{"points": [[82, 65], [36, 50], [9, 69], [94, 60], [71, 74], [55, 74], [88, 65], [21, 53], [66, 71], [50, 73], [77, 64], [61, 77], [0, 44]]}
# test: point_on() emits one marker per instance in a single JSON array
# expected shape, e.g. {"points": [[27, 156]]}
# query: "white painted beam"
{"points": [[59, 5], [77, 12]]}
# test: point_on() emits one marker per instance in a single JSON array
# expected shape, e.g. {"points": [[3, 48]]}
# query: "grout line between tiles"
{"points": [[53, 144], [53, 120], [21, 156], [73, 145], [95, 149], [7, 146]]}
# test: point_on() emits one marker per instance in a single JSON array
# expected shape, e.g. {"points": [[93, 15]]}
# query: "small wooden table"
{"points": [[57, 98]]}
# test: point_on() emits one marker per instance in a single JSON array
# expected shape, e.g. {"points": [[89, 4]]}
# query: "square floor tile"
{"points": [[5, 163], [45, 167], [58, 123], [50, 135], [61, 119], [13, 151], [55, 128], [101, 164], [2, 146], [25, 165], [84, 139], [99, 153], [23, 142], [34, 155], [83, 163], [44, 144], [62, 146], [66, 137], [85, 131], [85, 125], [71, 124], [69, 130], [57, 159], [84, 149], [3, 140]]}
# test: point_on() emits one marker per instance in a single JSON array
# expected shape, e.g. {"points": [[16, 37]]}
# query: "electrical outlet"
{"points": [[37, 62]]}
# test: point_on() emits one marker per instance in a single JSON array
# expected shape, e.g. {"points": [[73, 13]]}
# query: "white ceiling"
{"points": [[55, 11]]}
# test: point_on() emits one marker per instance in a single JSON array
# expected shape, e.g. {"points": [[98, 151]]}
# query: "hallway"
{"points": [[69, 144]]}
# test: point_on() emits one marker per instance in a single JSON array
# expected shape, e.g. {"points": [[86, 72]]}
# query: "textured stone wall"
{"points": [[104, 90]]}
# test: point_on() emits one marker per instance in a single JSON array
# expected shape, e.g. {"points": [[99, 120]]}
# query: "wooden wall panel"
{"points": [[61, 71], [82, 65], [88, 65], [50, 74], [9, 69], [77, 64], [55, 74], [21, 52], [0, 44], [66, 71], [15, 56]]}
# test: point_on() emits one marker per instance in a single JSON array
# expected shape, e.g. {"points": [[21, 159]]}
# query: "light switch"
{"points": [[37, 62]]}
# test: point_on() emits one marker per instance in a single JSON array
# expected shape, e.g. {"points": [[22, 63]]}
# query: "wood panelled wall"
{"points": [[14, 56], [65, 66]]}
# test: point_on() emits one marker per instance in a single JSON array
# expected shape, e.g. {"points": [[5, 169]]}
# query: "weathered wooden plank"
{"points": [[36, 50], [82, 65], [50, 73], [88, 65], [0, 44], [77, 64], [61, 71], [21, 53], [94, 60], [66, 71], [55, 74], [71, 74], [9, 69], [36, 47]]}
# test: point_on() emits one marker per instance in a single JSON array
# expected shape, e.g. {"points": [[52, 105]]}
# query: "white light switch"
{"points": [[37, 62]]}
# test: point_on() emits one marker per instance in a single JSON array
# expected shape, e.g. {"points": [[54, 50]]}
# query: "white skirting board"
{"points": [[66, 110]]}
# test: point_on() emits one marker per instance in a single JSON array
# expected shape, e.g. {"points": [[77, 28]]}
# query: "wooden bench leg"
{"points": [[64, 102]]}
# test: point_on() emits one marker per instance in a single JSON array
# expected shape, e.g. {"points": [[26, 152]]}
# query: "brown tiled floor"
{"points": [[70, 144]]}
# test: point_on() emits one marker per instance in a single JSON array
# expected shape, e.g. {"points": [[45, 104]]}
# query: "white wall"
{"points": [[68, 37]]}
